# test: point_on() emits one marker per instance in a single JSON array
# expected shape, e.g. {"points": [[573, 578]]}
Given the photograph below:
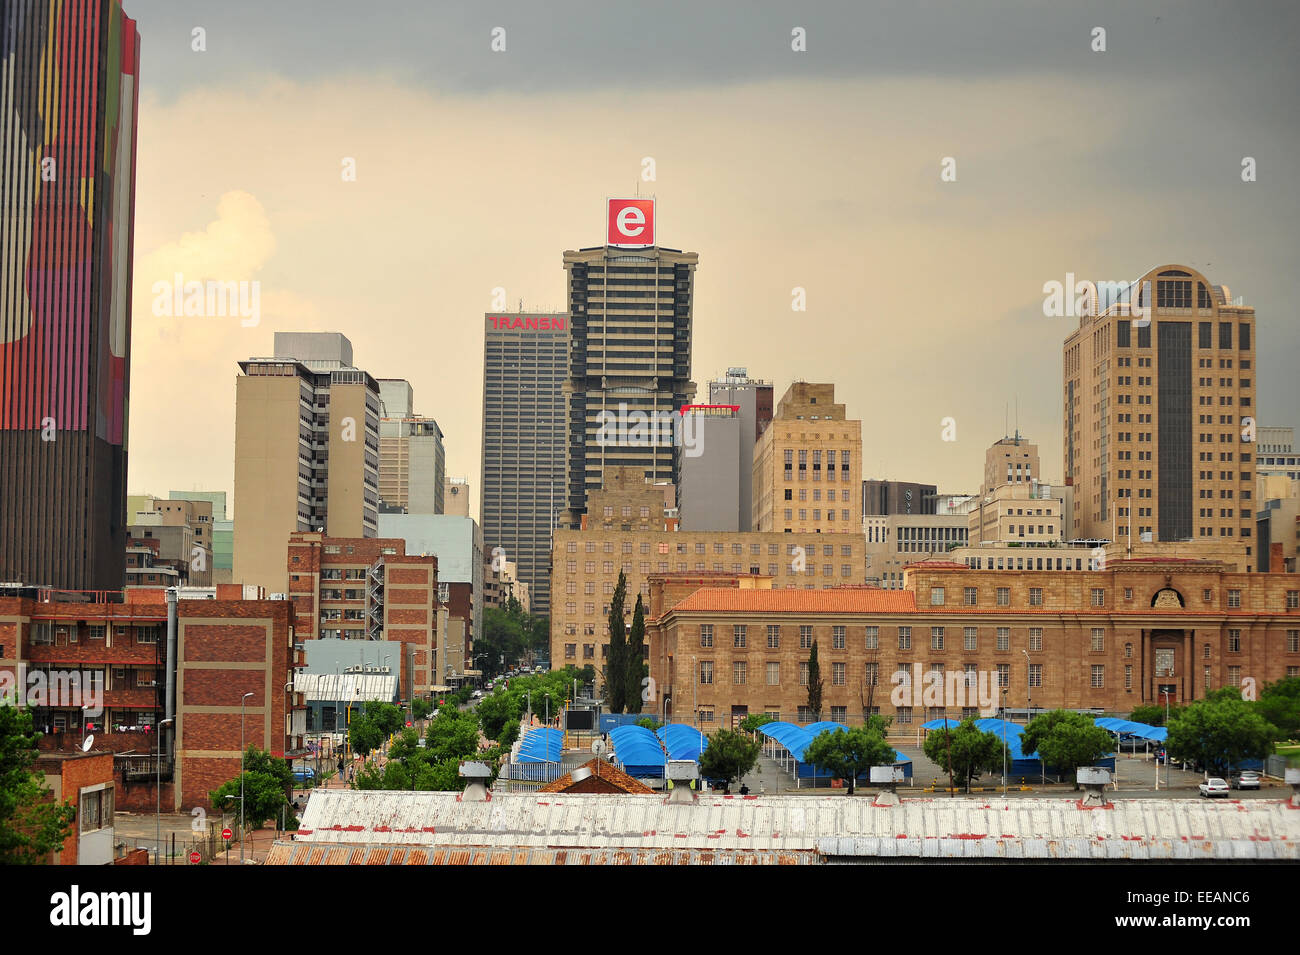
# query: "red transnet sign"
{"points": [[631, 222]]}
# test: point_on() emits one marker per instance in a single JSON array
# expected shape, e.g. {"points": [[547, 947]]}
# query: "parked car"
{"points": [[1246, 779], [1213, 787], [304, 775]]}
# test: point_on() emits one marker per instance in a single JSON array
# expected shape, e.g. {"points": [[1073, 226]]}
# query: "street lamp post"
{"points": [[241, 776], [1004, 741], [157, 792], [548, 708]]}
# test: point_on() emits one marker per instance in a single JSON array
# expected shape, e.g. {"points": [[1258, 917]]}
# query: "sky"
{"points": [[817, 169]]}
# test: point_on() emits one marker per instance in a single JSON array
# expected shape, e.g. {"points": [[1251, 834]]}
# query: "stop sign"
{"points": [[227, 834], [195, 857], [409, 724]]}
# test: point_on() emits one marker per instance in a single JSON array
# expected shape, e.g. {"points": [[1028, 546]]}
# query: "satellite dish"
{"points": [[89, 742], [597, 747]]}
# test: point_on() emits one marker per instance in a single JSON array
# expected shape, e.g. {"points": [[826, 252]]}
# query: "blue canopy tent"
{"points": [[1019, 763], [683, 741], [795, 740], [541, 745], [638, 752]]}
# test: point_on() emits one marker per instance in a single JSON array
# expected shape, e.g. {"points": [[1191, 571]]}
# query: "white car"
{"points": [[1246, 779], [1213, 787]]}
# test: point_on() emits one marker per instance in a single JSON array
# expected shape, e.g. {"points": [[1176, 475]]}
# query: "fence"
{"points": [[533, 772], [1275, 766]]}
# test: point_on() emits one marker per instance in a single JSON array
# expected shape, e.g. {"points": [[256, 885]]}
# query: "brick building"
{"points": [[86, 781], [625, 530], [1111, 639], [369, 588], [71, 643]]}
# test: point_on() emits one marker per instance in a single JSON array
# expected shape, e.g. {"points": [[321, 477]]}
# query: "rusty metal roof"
{"points": [[297, 853], [831, 827]]}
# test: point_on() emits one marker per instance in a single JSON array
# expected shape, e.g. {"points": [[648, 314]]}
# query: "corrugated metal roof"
{"points": [[346, 687], [943, 827], [294, 853]]}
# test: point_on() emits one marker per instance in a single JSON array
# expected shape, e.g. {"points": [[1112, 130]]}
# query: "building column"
{"points": [[1189, 678], [1148, 666]]}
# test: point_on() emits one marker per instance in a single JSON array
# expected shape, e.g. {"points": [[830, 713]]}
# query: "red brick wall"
{"points": [[224, 643], [76, 772]]}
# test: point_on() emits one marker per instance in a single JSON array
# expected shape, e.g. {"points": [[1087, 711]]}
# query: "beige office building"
{"points": [[306, 453], [1157, 405], [629, 529], [808, 466], [1011, 460]]}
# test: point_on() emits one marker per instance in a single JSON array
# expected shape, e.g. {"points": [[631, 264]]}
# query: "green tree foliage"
{"points": [[973, 752], [1066, 741], [364, 735], [1279, 704], [452, 735], [815, 683], [264, 797], [850, 753], [1220, 733], [650, 723], [729, 756], [421, 708], [753, 721], [509, 635], [508, 704], [1152, 714], [633, 685], [616, 664], [31, 824], [388, 717]]}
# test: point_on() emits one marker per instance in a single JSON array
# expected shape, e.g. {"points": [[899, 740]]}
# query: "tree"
{"points": [[260, 761], [753, 721], [814, 684], [364, 735], [388, 717], [729, 755], [32, 825], [650, 723], [850, 753], [616, 664], [974, 752], [633, 685], [421, 708], [264, 797], [1218, 734], [1066, 741], [1152, 714], [452, 735], [1279, 704]]}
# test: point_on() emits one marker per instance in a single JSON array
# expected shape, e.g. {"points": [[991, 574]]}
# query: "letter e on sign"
{"points": [[631, 222]]}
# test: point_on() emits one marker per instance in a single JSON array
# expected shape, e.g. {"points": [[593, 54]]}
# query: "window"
{"points": [[1098, 597], [936, 638], [1035, 596], [773, 636], [570, 651], [1004, 596], [873, 638], [1004, 674], [1293, 600], [871, 674], [1293, 641], [839, 713], [936, 596], [706, 634], [1128, 676], [972, 596], [774, 674], [904, 638], [803, 675], [838, 671], [1234, 641], [837, 638], [1234, 676], [1164, 661], [706, 672], [739, 671], [1035, 638], [1004, 638], [146, 635], [1035, 674], [1098, 639], [1098, 677], [706, 715], [904, 715], [805, 637], [97, 809], [1128, 651], [1234, 598]]}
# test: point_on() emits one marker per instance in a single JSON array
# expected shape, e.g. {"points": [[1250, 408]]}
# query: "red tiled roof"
{"points": [[606, 771], [837, 600]]}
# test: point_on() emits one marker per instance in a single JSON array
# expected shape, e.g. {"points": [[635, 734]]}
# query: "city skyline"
{"points": [[914, 285]]}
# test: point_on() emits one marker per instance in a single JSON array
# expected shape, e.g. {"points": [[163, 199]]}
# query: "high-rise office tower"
{"points": [[525, 365], [808, 465], [68, 102], [630, 310], [306, 452], [1159, 413], [753, 401], [412, 459], [1011, 460]]}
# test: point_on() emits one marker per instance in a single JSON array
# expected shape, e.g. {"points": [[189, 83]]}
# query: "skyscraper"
{"points": [[412, 460], [793, 491], [67, 186], [630, 312], [525, 364], [1159, 413], [306, 452]]}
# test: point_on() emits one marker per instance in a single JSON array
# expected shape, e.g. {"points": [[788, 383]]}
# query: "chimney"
{"points": [[1093, 779], [477, 776], [889, 777], [682, 774], [1276, 558]]}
